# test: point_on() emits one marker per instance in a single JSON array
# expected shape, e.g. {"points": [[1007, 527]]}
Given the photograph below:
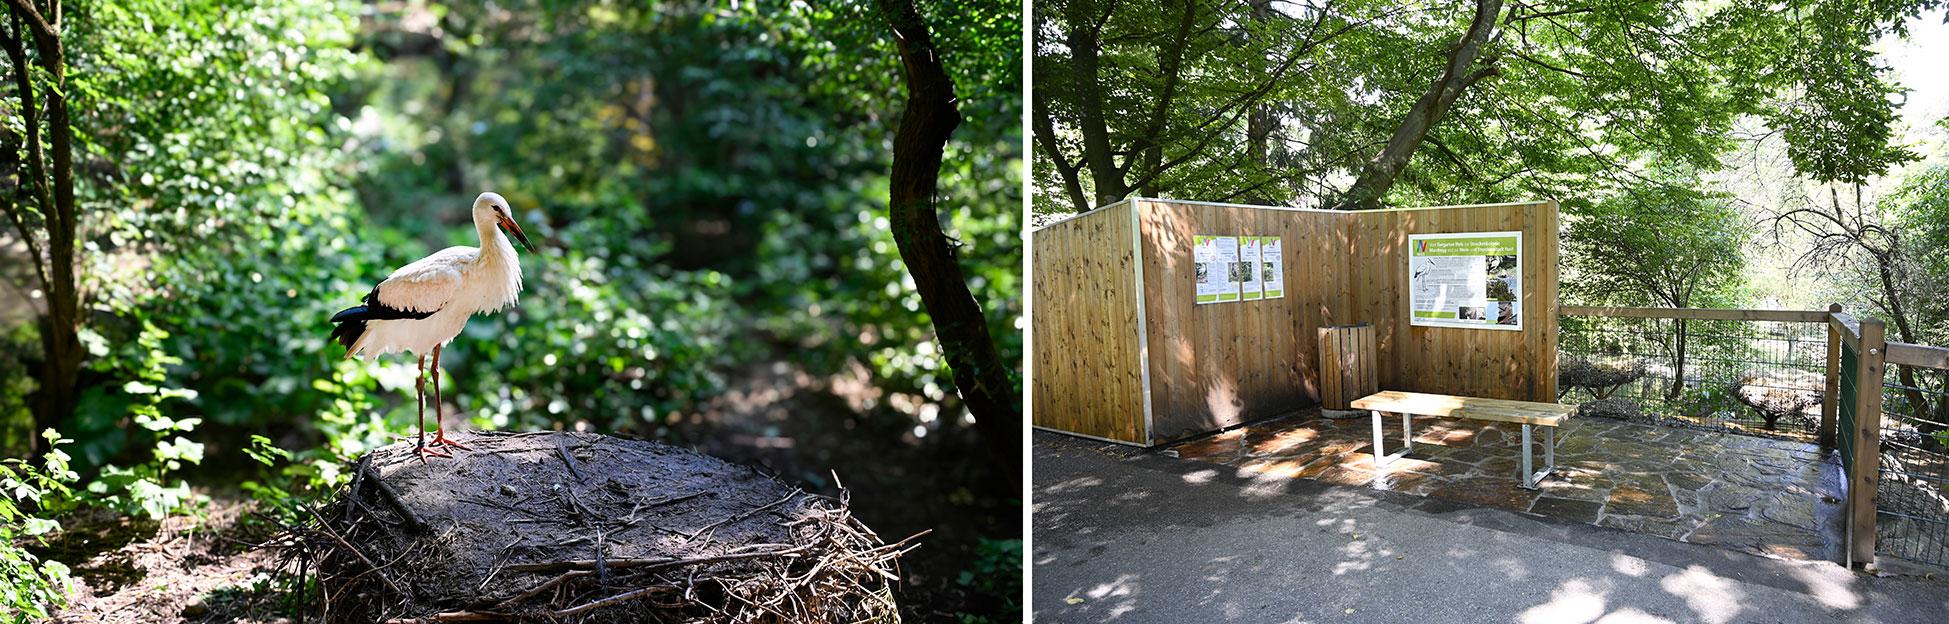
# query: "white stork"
{"points": [[423, 305]]}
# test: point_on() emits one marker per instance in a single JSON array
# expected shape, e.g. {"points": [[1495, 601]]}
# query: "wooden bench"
{"points": [[1528, 414]]}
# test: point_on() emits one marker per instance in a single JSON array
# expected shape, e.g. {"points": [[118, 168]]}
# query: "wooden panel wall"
{"points": [[1088, 373], [1217, 365], [1473, 362]]}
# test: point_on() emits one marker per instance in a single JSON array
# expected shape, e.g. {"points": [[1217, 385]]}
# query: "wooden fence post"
{"points": [[1865, 483], [1830, 401]]}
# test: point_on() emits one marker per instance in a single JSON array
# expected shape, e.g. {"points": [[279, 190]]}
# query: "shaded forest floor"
{"points": [[804, 428], [184, 568], [201, 568]]}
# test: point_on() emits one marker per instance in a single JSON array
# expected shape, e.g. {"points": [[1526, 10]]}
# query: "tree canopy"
{"points": [[1352, 104]]}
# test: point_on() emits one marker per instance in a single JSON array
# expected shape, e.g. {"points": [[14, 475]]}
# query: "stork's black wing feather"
{"points": [[352, 321]]}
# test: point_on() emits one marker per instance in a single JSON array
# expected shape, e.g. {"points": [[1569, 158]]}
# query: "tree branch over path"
{"points": [[984, 381], [1378, 174]]}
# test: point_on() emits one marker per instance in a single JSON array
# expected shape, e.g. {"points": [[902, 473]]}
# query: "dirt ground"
{"points": [[185, 568]]}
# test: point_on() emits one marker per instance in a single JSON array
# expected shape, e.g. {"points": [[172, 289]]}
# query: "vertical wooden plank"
{"points": [[1135, 209], [1369, 373], [1548, 326], [1088, 370], [1865, 484], [1329, 378], [1217, 365], [1829, 405]]}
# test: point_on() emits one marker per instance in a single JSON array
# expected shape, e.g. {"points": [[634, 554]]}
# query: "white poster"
{"points": [[1272, 267], [1216, 258], [1248, 268], [1466, 280]]}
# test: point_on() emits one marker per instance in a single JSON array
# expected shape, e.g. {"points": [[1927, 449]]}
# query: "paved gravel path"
{"points": [[1122, 536]]}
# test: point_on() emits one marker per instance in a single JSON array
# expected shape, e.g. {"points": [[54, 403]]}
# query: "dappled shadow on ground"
{"points": [[186, 568], [1123, 535], [1766, 496]]}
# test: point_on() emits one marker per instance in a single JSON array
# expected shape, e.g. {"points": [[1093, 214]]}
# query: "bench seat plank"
{"points": [[1441, 405]]}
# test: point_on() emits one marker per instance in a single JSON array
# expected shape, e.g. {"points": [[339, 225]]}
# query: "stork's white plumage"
{"points": [[424, 305]]}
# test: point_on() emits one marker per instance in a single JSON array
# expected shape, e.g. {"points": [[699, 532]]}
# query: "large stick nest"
{"points": [[1600, 376], [1779, 393], [587, 528]]}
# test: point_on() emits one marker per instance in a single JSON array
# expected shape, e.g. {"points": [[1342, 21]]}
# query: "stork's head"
{"points": [[491, 206]]}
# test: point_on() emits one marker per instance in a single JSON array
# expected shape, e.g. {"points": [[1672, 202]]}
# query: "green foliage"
{"points": [[1919, 208], [16, 383], [1709, 401], [31, 589], [1828, 95], [741, 213], [996, 573], [1659, 244], [1582, 99]]}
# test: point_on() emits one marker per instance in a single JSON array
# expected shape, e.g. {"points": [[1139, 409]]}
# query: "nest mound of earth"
{"points": [[553, 526]]}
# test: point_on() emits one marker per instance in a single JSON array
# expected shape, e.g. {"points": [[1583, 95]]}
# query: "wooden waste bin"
{"points": [[1347, 365]]}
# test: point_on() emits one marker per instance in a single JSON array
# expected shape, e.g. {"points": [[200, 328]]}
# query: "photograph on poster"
{"points": [[1250, 288], [1273, 280], [1218, 268]]}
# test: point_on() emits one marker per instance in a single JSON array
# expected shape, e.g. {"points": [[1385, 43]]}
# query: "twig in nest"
{"points": [[655, 563], [326, 528], [740, 517], [562, 450], [544, 586], [618, 598], [453, 616], [499, 562], [412, 521], [352, 495], [674, 499]]}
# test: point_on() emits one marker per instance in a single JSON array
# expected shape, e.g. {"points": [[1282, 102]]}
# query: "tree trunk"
{"points": [[1378, 175], [1258, 124], [1045, 136], [984, 380], [1098, 155], [1678, 361], [1924, 424], [61, 348]]}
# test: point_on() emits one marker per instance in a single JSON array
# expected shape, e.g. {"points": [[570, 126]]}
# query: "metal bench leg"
{"points": [[1531, 479], [1549, 448], [1381, 458], [1528, 481]]}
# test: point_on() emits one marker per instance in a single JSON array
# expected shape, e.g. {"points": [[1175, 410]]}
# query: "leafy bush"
{"points": [[30, 589], [997, 575], [1709, 400]]}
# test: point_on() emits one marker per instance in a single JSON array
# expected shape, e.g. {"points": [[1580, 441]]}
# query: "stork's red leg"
{"points": [[419, 393], [439, 421]]}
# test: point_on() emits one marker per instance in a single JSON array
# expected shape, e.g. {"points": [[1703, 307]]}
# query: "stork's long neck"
{"points": [[495, 250], [498, 271]]}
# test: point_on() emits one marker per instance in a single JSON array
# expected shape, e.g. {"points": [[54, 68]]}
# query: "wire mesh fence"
{"points": [[1913, 501], [1768, 378], [1759, 377]]}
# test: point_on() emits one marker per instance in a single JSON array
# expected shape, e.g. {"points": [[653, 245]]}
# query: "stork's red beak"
{"points": [[509, 225]]}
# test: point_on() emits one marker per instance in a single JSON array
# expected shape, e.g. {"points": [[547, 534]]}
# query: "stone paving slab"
{"points": [[1766, 496]]}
